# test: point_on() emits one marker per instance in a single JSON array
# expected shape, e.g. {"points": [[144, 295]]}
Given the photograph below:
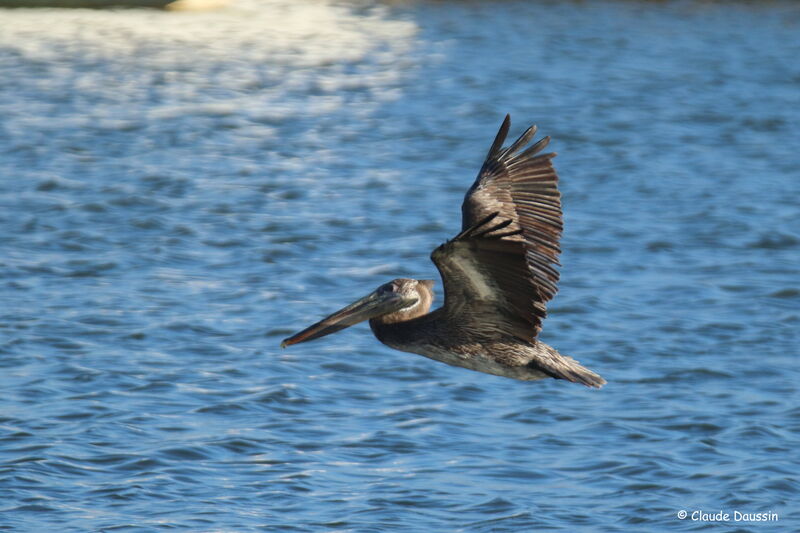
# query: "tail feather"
{"points": [[560, 366]]}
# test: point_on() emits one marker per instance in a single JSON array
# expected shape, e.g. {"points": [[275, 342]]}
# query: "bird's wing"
{"points": [[506, 255]]}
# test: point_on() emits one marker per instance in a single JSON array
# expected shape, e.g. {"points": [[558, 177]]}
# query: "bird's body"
{"points": [[437, 338], [474, 341], [498, 274]]}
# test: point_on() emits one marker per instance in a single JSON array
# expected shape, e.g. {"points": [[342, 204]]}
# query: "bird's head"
{"points": [[396, 301]]}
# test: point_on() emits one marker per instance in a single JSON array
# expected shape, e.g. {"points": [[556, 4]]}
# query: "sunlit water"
{"points": [[180, 191]]}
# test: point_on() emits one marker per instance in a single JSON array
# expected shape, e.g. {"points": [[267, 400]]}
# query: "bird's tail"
{"points": [[564, 367]]}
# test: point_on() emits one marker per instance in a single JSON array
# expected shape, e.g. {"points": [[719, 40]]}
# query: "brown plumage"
{"points": [[498, 275]]}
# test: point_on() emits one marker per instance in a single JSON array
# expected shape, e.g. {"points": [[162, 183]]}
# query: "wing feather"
{"points": [[507, 253]]}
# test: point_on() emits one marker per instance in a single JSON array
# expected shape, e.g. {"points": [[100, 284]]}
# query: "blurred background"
{"points": [[179, 190]]}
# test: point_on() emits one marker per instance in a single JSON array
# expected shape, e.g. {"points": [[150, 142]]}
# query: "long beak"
{"points": [[370, 306]]}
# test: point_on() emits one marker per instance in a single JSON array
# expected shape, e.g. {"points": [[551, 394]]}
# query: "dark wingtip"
{"points": [[523, 139], [500, 138]]}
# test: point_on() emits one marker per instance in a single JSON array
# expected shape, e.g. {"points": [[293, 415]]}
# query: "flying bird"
{"points": [[498, 274]]}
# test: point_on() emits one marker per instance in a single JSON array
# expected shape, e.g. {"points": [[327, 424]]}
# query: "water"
{"points": [[180, 191]]}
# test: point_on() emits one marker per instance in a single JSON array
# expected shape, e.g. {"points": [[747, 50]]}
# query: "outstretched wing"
{"points": [[506, 255]]}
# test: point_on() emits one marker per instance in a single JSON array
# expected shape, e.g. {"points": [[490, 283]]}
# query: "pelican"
{"points": [[498, 274]]}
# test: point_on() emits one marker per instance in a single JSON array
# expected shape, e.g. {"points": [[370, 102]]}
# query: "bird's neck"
{"points": [[400, 333]]}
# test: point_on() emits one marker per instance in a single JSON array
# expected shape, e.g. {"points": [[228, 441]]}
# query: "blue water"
{"points": [[180, 191]]}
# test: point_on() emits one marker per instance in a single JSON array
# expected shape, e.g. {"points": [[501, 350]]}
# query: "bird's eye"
{"points": [[387, 288]]}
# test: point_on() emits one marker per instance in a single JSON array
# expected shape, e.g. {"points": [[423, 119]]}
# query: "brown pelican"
{"points": [[498, 274]]}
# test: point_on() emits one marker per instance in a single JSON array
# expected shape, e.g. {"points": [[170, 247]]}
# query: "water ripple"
{"points": [[184, 190]]}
